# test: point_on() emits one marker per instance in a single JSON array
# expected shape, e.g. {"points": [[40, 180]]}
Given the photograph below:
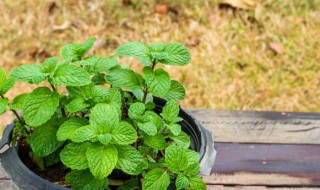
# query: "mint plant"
{"points": [[105, 129]]}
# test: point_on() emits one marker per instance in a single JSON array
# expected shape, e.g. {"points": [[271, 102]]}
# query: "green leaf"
{"points": [[193, 156], [170, 111], [124, 78], [98, 64], [104, 116], [177, 54], [195, 182], [176, 158], [85, 133], [192, 169], [104, 138], [76, 104], [148, 127], [182, 140], [70, 75], [157, 141], [98, 79], [67, 129], [113, 98], [176, 92], [135, 49], [3, 105], [6, 85], [174, 128], [84, 92], [154, 118], [49, 65], [123, 133], [130, 160], [157, 47], [39, 106], [102, 159], [158, 82], [84, 180], [43, 140], [74, 156], [3, 77], [18, 101], [156, 179], [136, 111], [72, 52], [30, 73], [182, 181], [88, 44]]}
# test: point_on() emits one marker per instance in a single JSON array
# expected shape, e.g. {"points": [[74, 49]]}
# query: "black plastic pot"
{"points": [[25, 179]]}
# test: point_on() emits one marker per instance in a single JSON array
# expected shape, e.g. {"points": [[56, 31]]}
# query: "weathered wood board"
{"points": [[261, 127]]}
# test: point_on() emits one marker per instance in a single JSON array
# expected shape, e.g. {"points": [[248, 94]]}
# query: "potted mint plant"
{"points": [[110, 130]]}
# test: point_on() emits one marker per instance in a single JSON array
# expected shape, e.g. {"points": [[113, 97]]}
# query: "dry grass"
{"points": [[233, 66]]}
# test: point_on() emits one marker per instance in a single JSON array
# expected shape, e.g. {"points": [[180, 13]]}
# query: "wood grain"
{"points": [[266, 164], [261, 127]]}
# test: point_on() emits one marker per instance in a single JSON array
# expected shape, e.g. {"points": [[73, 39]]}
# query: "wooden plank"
{"points": [[261, 126], [266, 164]]}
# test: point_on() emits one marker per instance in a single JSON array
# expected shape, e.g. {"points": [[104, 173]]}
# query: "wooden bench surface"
{"points": [[257, 150]]}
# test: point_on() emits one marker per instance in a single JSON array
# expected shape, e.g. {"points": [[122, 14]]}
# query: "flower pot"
{"points": [[24, 178]]}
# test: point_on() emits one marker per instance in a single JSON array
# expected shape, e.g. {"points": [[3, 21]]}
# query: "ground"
{"points": [[263, 58]]}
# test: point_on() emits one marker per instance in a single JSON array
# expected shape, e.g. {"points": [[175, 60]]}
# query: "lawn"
{"points": [[266, 58]]}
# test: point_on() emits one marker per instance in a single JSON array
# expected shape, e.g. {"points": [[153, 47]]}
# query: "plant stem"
{"points": [[147, 152], [53, 88], [145, 92], [16, 114]]}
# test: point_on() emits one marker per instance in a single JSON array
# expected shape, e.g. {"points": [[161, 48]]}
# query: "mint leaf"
{"points": [[193, 156], [176, 158], [49, 65], [85, 133], [170, 111], [43, 140], [177, 54], [3, 105], [158, 82], [76, 105], [85, 92], [176, 92], [113, 98], [30, 73], [67, 129], [84, 180], [5, 84], [102, 159], [104, 138], [18, 101], [98, 64], [138, 93], [157, 141], [70, 75], [157, 47], [104, 116], [154, 118], [135, 49], [39, 106], [136, 111], [148, 127], [72, 52], [123, 133], [88, 44], [195, 182], [73, 156], [192, 169], [182, 140], [98, 79], [124, 78], [156, 179], [182, 181], [130, 160], [174, 128]]}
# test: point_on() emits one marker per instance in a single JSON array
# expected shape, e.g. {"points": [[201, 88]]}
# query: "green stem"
{"points": [[16, 114], [145, 92]]}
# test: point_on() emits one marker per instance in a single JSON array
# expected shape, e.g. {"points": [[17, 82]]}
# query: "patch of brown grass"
{"points": [[233, 66]]}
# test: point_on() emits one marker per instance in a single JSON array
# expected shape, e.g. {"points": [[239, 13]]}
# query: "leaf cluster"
{"points": [[106, 126]]}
